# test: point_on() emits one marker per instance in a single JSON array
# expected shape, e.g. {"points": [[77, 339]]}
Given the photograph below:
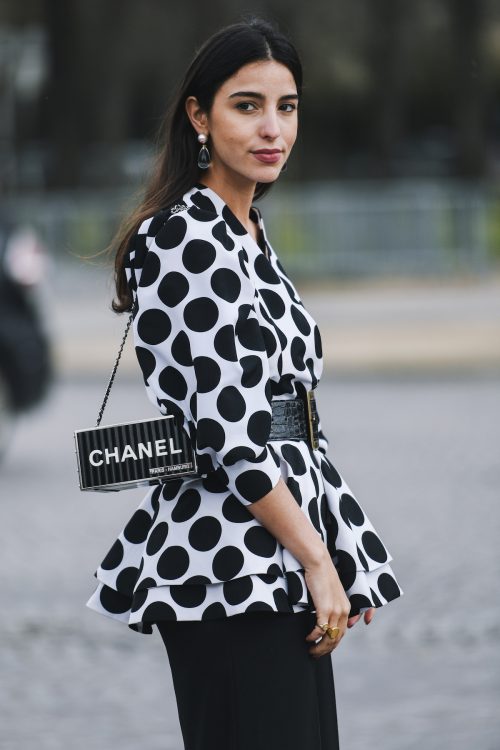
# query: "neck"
{"points": [[237, 196]]}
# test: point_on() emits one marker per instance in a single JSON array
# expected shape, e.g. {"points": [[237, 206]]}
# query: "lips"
{"points": [[268, 155]]}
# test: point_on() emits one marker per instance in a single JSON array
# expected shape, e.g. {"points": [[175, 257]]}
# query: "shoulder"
{"points": [[165, 221], [192, 222], [174, 226]]}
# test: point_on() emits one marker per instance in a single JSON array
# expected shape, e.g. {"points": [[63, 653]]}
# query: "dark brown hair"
{"points": [[175, 170]]}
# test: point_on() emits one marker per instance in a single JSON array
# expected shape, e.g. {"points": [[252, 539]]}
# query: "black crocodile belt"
{"points": [[295, 419]]}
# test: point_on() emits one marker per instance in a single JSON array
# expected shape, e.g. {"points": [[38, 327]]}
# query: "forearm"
{"points": [[280, 514]]}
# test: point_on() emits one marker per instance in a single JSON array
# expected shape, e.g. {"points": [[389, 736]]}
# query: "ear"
{"points": [[196, 115]]}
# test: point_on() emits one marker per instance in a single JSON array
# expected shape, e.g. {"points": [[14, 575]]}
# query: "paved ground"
{"points": [[421, 454]]}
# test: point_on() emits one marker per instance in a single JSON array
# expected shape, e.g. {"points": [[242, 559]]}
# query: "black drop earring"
{"points": [[204, 154]]}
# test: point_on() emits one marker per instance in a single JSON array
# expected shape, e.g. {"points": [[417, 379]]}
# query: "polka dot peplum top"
{"points": [[219, 331]]}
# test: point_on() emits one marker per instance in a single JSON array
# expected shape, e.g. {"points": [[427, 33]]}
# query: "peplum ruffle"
{"points": [[146, 576]]}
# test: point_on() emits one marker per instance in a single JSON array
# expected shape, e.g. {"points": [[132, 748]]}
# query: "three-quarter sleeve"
{"points": [[202, 353]]}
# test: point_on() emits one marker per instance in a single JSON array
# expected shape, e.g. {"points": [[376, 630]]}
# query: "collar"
{"points": [[206, 199]]}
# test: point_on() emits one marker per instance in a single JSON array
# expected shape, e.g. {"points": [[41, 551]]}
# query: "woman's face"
{"points": [[254, 110]]}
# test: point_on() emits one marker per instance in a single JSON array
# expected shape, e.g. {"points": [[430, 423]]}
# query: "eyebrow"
{"points": [[256, 95]]}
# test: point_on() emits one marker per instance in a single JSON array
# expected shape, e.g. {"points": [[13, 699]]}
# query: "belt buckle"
{"points": [[312, 420]]}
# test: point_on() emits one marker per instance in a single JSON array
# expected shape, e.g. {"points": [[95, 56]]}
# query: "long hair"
{"points": [[175, 169]]}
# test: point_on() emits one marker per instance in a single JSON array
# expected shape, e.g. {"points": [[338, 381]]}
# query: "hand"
{"points": [[331, 604], [367, 616]]}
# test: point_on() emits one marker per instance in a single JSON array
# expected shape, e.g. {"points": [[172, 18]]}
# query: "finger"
{"points": [[353, 620], [320, 655], [325, 646], [369, 615], [317, 631], [320, 649]]}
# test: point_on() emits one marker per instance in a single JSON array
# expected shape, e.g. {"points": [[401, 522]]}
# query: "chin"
{"points": [[269, 175], [268, 179]]}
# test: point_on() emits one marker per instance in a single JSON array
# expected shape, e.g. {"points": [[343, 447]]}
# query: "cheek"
{"points": [[232, 135], [290, 133], [229, 149], [228, 129]]}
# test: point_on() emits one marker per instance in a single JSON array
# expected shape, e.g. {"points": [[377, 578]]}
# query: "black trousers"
{"points": [[248, 682]]}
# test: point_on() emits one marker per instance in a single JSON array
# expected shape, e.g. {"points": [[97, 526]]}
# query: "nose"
{"points": [[270, 127]]}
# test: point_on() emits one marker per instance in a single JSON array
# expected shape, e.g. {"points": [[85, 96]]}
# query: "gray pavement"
{"points": [[420, 452]]}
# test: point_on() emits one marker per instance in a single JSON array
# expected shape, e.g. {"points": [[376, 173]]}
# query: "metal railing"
{"points": [[386, 229], [403, 228]]}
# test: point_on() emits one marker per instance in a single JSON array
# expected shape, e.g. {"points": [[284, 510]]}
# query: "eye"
{"points": [[240, 105], [288, 104]]}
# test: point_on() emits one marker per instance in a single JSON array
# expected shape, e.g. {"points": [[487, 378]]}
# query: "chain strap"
{"points": [[168, 211], [113, 373]]}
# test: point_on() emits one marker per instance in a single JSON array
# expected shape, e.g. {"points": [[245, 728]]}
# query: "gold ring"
{"points": [[333, 632]]}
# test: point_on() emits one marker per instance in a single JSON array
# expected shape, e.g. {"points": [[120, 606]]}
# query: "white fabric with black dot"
{"points": [[220, 329]]}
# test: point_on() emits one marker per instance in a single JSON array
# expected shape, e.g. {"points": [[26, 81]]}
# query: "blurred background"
{"points": [[388, 219]]}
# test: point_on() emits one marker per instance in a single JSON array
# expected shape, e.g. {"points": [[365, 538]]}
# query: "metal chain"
{"points": [[112, 377], [169, 210]]}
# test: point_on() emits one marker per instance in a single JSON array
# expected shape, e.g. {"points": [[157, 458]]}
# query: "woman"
{"points": [[252, 571]]}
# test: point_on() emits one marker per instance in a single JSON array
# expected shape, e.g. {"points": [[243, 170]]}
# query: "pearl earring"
{"points": [[204, 154]]}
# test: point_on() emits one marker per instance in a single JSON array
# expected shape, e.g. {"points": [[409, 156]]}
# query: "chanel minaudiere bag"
{"points": [[131, 454]]}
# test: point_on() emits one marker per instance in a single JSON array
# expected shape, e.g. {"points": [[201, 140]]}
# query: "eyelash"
{"points": [[286, 104]]}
